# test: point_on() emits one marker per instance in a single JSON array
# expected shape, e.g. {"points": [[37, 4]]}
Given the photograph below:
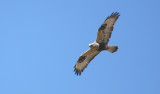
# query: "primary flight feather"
{"points": [[101, 43]]}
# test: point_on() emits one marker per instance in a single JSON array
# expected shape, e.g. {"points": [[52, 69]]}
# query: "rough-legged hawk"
{"points": [[103, 36]]}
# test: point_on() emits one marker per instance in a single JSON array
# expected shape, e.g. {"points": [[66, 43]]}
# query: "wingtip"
{"points": [[113, 14], [77, 72]]}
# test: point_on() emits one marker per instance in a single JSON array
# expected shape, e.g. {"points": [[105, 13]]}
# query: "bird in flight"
{"points": [[100, 44]]}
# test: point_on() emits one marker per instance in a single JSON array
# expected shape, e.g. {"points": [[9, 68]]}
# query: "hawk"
{"points": [[100, 44]]}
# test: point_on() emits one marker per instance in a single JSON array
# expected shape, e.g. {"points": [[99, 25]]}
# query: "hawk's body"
{"points": [[103, 36]]}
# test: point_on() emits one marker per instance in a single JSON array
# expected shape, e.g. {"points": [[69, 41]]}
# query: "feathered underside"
{"points": [[103, 36]]}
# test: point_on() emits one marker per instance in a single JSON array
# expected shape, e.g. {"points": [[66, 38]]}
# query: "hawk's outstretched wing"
{"points": [[84, 60], [105, 31]]}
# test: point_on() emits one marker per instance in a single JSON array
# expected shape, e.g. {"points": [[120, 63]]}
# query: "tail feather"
{"points": [[112, 49]]}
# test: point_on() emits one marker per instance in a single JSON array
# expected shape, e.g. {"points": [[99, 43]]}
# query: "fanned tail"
{"points": [[112, 49]]}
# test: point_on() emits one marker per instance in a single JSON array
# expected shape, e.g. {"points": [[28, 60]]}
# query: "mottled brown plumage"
{"points": [[101, 43]]}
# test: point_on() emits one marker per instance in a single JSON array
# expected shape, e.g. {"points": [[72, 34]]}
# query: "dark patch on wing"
{"points": [[101, 46], [81, 59], [103, 26]]}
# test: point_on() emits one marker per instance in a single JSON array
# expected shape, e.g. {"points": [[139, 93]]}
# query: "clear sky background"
{"points": [[41, 40]]}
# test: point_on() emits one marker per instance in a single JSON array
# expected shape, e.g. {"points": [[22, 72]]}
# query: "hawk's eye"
{"points": [[90, 45]]}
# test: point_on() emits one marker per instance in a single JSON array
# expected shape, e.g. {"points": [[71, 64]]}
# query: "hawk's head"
{"points": [[94, 45]]}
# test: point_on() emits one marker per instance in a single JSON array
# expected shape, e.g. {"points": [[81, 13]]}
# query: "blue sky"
{"points": [[41, 40]]}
